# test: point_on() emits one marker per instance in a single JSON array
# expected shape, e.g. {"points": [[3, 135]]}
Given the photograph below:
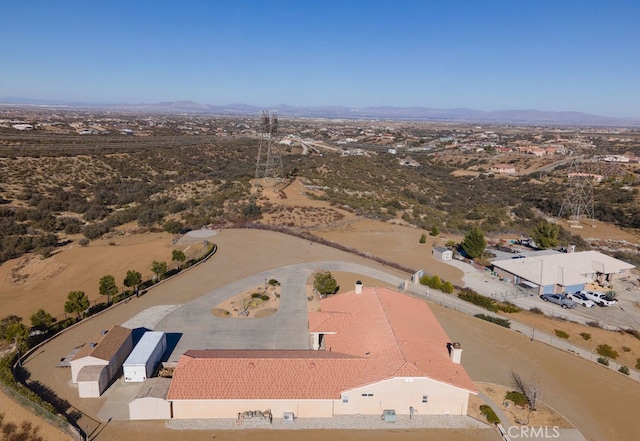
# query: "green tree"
{"points": [[178, 256], [474, 243], [18, 333], [434, 231], [325, 283], [545, 234], [108, 287], [133, 280], [159, 269], [76, 302], [423, 238], [42, 320], [7, 321], [173, 226]]}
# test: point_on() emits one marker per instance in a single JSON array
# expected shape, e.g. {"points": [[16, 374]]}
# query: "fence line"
{"points": [[452, 302]]}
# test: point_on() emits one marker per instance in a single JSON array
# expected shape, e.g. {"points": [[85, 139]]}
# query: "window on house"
{"points": [[345, 398], [367, 395], [425, 398]]}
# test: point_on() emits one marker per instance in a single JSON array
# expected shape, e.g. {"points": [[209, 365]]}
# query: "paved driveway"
{"points": [[198, 328]]}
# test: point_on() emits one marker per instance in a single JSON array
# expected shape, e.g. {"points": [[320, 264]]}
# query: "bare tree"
{"points": [[529, 387]]}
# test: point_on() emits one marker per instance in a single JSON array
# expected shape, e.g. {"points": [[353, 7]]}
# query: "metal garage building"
{"points": [[145, 357]]}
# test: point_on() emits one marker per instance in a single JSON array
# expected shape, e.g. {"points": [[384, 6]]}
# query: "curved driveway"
{"points": [[285, 329]]}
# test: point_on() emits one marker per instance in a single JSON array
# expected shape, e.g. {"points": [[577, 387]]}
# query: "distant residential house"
{"points": [[503, 168], [562, 272]]}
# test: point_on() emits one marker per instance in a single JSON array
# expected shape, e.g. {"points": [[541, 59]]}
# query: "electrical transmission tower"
{"points": [[269, 164], [578, 202]]}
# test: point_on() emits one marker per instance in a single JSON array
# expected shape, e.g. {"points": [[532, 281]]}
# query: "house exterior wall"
{"points": [[184, 409], [149, 408], [401, 394], [77, 365]]}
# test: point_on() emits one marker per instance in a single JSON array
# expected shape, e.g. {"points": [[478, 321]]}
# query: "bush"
{"points": [[469, 295], [447, 287], [603, 360], [498, 321], [637, 363], [607, 351], [83, 242], [274, 282], [508, 307], [423, 238], [626, 349], [255, 295], [518, 398], [585, 335], [560, 333], [625, 370], [594, 324], [488, 412], [536, 310], [265, 298]]}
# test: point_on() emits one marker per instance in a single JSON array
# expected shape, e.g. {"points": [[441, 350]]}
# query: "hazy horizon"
{"points": [[549, 56]]}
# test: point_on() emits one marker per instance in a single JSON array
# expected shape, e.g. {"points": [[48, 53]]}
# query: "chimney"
{"points": [[455, 352], [358, 287]]}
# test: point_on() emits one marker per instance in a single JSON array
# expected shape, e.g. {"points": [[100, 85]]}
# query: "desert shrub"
{"points": [[603, 360], [607, 351], [585, 335], [536, 310], [625, 370], [489, 413], [265, 297], [637, 363], [447, 287], [274, 282], [469, 295], [423, 238], [255, 295], [518, 398], [508, 307], [498, 321], [626, 349], [594, 324], [561, 334]]}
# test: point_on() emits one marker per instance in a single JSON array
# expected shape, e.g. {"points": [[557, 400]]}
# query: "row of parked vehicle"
{"points": [[586, 298]]}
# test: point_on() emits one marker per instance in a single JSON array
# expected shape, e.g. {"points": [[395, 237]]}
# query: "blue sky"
{"points": [[484, 54]]}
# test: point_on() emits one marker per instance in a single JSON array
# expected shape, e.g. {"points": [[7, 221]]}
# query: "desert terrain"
{"points": [[593, 399]]}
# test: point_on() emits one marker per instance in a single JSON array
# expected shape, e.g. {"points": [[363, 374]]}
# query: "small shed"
{"points": [[145, 357], [92, 381], [150, 401], [442, 253]]}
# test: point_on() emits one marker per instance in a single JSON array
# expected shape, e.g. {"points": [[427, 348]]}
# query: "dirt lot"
{"points": [[595, 400]]}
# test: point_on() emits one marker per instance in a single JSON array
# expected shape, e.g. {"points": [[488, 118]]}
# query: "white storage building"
{"points": [[145, 356]]}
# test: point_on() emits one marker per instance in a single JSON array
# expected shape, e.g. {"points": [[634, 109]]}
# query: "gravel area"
{"points": [[150, 317], [339, 422]]}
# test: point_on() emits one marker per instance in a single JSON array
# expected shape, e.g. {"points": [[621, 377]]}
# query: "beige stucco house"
{"points": [[376, 349]]}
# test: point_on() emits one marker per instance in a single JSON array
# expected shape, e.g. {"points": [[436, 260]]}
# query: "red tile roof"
{"points": [[373, 336]]}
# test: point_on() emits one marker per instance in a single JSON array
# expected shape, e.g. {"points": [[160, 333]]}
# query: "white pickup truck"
{"points": [[600, 298]]}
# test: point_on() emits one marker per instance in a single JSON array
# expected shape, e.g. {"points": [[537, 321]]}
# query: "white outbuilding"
{"points": [[145, 357]]}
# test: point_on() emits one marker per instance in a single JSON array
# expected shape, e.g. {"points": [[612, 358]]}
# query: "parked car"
{"points": [[600, 298], [581, 299], [559, 299]]}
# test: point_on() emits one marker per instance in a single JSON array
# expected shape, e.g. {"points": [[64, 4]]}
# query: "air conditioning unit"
{"points": [[287, 417], [389, 415]]}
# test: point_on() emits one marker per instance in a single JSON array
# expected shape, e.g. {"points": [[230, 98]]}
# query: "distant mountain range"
{"points": [[461, 115]]}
